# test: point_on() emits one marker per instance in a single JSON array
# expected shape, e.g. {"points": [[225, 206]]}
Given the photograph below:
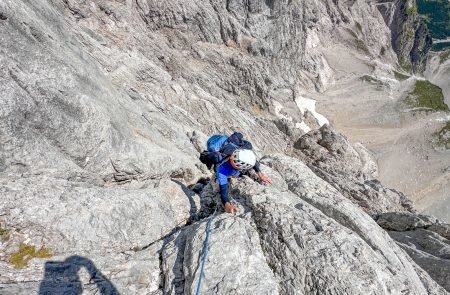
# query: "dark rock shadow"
{"points": [[239, 196], [61, 277], [207, 204], [190, 195], [175, 243]]}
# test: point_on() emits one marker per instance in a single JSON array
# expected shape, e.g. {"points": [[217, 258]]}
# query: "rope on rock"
{"points": [[205, 249]]}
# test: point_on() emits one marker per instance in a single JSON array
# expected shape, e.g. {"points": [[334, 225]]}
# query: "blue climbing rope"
{"points": [[205, 249]]}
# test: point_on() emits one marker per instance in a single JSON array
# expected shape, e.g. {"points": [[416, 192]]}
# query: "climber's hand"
{"points": [[264, 179], [230, 208]]}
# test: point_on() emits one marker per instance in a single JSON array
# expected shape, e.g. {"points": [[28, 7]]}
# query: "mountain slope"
{"points": [[97, 101]]}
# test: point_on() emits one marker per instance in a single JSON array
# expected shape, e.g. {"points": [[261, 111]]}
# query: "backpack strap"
{"points": [[223, 161]]}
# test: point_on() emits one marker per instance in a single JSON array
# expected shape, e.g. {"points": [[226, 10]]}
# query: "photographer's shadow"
{"points": [[61, 277]]}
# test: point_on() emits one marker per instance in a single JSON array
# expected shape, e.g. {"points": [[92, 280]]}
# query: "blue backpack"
{"points": [[216, 142], [220, 147]]}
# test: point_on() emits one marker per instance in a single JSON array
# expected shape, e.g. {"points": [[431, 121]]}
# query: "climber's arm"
{"points": [[257, 167], [264, 179]]}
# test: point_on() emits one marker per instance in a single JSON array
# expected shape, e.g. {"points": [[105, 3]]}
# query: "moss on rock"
{"points": [[4, 234], [443, 56], [25, 253], [372, 80], [444, 136], [400, 77]]}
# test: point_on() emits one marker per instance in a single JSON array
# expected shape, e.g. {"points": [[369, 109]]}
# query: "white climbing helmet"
{"points": [[243, 159]]}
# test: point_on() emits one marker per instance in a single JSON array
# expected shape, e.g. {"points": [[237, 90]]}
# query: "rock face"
{"points": [[438, 68], [425, 239], [411, 39], [235, 263], [350, 169], [95, 162], [103, 82], [104, 228], [351, 227], [301, 234]]}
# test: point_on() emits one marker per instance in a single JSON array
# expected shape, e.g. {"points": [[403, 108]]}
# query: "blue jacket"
{"points": [[225, 171]]}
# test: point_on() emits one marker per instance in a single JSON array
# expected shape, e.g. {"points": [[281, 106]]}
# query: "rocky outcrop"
{"points": [[425, 239], [128, 212], [349, 168], [110, 232], [318, 203], [410, 37], [235, 261], [438, 69]]}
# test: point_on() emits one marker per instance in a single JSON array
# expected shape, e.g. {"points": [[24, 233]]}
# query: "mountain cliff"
{"points": [[102, 190], [410, 37]]}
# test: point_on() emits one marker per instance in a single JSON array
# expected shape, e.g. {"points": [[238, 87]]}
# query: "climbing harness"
{"points": [[205, 249]]}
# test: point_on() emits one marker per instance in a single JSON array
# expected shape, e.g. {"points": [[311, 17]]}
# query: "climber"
{"points": [[239, 163], [230, 157]]}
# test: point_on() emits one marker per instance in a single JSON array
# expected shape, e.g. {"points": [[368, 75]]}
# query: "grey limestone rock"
{"points": [[292, 223], [301, 234], [429, 250], [410, 37], [98, 99], [396, 221], [128, 272], [424, 238], [107, 218], [351, 169], [235, 262], [116, 230]]}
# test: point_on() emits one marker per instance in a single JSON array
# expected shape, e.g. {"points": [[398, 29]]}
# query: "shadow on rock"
{"points": [[61, 277], [206, 194]]}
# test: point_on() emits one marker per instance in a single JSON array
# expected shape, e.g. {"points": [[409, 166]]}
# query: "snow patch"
{"points": [[418, 78], [312, 40], [308, 104], [304, 104], [388, 80], [302, 126], [444, 119], [391, 83], [278, 107]]}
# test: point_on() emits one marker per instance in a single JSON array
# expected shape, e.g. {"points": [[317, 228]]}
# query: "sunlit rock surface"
{"points": [[98, 100]]}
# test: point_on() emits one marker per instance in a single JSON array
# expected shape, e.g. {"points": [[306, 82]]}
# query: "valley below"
{"points": [[368, 107]]}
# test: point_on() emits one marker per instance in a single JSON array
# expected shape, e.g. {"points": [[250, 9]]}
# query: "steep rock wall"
{"points": [[410, 37], [97, 98], [104, 81]]}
